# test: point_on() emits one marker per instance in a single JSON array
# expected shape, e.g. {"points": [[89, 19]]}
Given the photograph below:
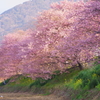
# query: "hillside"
{"points": [[21, 15]]}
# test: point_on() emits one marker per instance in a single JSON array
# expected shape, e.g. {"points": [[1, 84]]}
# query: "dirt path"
{"points": [[26, 96]]}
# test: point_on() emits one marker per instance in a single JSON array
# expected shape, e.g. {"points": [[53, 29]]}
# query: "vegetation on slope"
{"points": [[86, 84], [75, 85]]}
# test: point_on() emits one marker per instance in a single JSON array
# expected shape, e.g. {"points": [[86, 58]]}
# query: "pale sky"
{"points": [[7, 4]]}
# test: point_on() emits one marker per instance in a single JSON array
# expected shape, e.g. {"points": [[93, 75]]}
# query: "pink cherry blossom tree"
{"points": [[65, 35]]}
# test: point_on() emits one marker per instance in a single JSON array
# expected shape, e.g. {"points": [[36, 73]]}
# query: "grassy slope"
{"points": [[59, 84]]}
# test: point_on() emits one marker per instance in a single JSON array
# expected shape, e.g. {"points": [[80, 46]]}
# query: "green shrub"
{"points": [[86, 79], [98, 87]]}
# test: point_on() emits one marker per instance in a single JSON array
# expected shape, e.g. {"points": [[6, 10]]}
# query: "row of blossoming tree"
{"points": [[67, 35]]}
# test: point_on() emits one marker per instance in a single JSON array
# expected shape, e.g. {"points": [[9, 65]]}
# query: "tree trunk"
{"points": [[79, 65]]}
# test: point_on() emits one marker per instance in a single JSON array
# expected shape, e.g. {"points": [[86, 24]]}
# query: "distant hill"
{"points": [[21, 16]]}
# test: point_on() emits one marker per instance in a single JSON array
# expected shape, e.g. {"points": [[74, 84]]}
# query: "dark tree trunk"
{"points": [[79, 65]]}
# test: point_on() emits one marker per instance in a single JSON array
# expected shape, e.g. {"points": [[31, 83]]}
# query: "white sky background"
{"points": [[7, 4]]}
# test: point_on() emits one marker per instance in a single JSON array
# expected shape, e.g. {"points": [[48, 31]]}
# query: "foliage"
{"points": [[86, 79]]}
